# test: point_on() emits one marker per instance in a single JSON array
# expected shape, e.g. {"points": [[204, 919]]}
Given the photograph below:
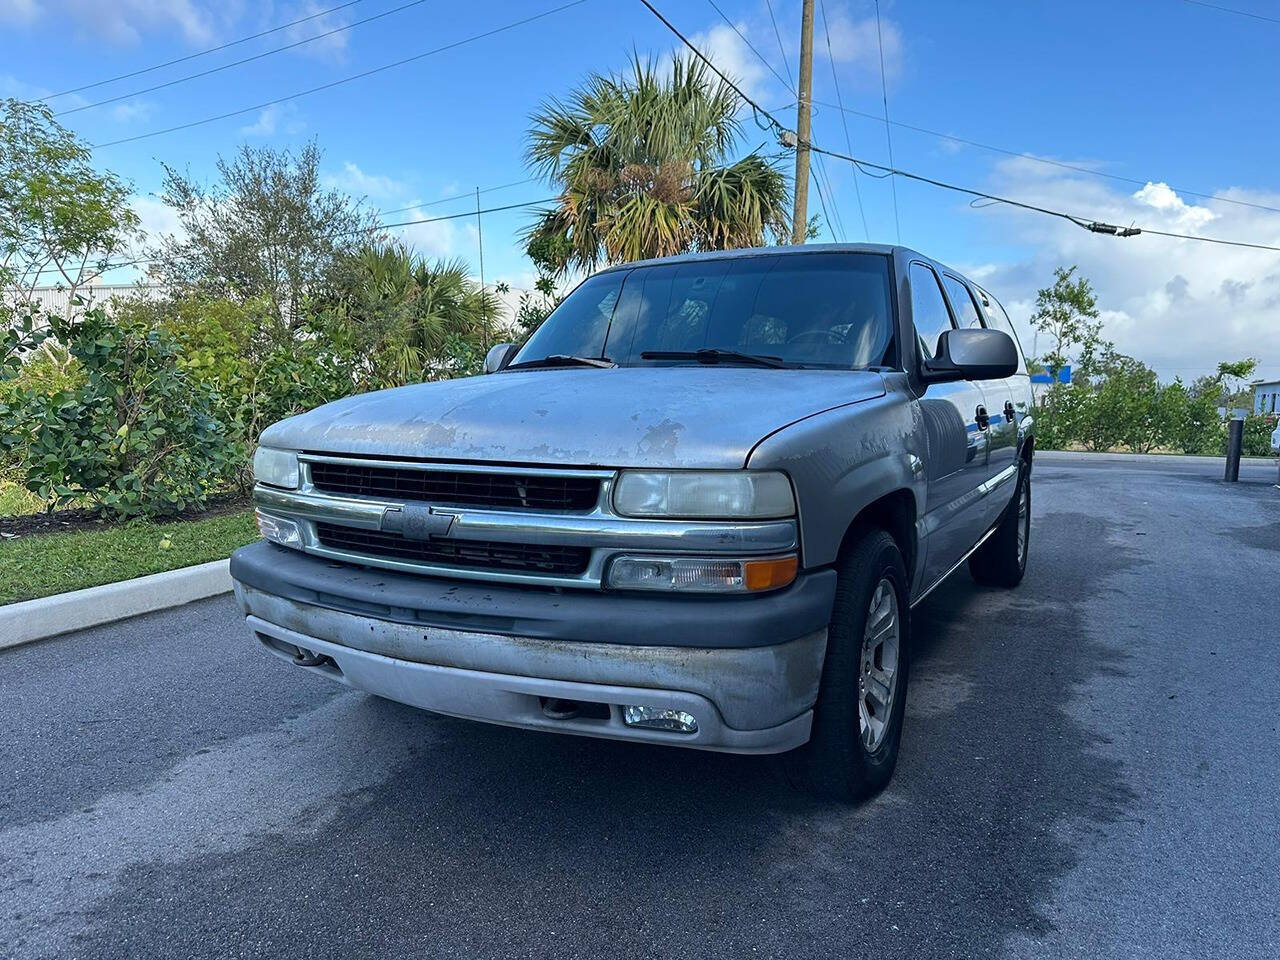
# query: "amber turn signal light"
{"points": [[771, 573]]}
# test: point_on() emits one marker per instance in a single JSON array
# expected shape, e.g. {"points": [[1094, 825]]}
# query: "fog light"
{"points": [[659, 718], [278, 530]]}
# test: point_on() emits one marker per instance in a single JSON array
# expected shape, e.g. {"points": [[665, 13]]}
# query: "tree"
{"points": [[644, 166], [61, 220], [1233, 377], [1068, 312], [266, 229], [410, 319]]}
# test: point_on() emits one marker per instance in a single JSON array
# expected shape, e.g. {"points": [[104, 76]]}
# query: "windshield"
{"points": [[831, 310]]}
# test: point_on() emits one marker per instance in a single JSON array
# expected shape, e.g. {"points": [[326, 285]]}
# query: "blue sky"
{"points": [[1167, 93]]}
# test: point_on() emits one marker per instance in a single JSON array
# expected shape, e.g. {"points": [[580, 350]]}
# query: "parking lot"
{"points": [[1090, 768]]}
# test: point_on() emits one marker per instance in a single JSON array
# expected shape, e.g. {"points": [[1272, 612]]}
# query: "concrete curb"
{"points": [[49, 616], [1069, 455]]}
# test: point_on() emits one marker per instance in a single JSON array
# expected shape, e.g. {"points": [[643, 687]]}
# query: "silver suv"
{"points": [[695, 507]]}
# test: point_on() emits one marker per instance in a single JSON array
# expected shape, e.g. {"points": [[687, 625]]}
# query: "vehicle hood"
{"points": [[673, 416]]}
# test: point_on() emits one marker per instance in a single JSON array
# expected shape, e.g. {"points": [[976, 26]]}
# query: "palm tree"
{"points": [[644, 165], [413, 320]]}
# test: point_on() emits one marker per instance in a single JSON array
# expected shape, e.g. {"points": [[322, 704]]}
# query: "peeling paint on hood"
{"points": [[674, 416]]}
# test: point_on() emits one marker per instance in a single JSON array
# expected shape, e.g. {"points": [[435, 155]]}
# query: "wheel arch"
{"points": [[895, 513]]}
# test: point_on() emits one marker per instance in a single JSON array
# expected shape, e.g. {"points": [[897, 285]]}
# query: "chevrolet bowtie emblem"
{"points": [[417, 521]]}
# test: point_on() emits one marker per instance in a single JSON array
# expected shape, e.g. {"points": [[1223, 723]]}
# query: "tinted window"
{"points": [[997, 319], [928, 309], [962, 303], [578, 326], [820, 309]]}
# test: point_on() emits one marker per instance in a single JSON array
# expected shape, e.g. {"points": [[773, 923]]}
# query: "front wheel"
{"points": [[1002, 560], [857, 721]]}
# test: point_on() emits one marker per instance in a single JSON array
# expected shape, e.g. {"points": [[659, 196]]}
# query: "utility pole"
{"points": [[484, 313], [804, 111]]}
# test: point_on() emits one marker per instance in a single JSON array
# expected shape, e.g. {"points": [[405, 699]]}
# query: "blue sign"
{"points": [[1063, 376]]}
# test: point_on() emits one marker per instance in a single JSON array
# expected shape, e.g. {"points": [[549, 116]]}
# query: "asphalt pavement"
{"points": [[1091, 768]]}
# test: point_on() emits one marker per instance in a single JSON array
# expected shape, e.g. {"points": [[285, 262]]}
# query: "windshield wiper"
{"points": [[711, 355], [563, 360]]}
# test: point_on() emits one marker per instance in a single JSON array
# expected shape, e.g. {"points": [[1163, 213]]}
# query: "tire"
{"points": [[1002, 560], [842, 761]]}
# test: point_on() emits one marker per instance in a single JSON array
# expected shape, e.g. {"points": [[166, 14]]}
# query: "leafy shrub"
{"points": [[257, 369], [1257, 434], [138, 436], [1125, 406]]}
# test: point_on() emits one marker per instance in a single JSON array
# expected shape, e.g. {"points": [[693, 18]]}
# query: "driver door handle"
{"points": [[982, 417]]}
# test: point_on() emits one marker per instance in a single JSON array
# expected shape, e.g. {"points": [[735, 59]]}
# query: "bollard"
{"points": [[1235, 439]]}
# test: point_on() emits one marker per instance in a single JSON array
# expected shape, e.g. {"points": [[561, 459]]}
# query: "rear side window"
{"points": [[962, 302], [997, 319], [928, 309]]}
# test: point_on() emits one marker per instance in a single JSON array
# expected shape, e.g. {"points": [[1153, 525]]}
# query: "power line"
{"points": [[781, 47], [888, 136], [848, 140], [788, 138], [759, 110], [836, 221], [1238, 13], [751, 46], [1045, 160], [201, 53], [448, 216], [822, 202], [462, 196], [373, 229], [1093, 226], [243, 60], [339, 82]]}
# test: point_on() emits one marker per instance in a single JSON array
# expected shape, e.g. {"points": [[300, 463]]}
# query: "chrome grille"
{"points": [[457, 487], [481, 554]]}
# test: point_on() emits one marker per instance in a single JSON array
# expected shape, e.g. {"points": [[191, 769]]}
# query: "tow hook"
{"points": [[558, 709], [305, 658]]}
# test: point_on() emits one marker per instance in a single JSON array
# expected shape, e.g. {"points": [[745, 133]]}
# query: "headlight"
{"points": [[276, 468], [690, 494], [701, 574]]}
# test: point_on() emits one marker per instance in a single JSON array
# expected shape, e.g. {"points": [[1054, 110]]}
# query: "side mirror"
{"points": [[499, 356], [972, 354]]}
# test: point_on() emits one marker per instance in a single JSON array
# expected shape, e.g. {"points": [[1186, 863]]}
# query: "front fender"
{"points": [[843, 460]]}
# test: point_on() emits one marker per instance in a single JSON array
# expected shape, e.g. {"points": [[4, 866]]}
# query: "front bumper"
{"points": [[753, 697]]}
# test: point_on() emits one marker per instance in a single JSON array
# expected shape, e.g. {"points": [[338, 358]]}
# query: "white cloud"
{"points": [[1179, 305], [11, 86], [332, 47], [728, 52], [123, 22], [130, 111], [856, 47], [19, 11], [158, 219], [355, 181], [279, 117], [436, 239]]}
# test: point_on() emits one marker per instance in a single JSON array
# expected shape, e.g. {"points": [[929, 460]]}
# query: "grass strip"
{"points": [[42, 565]]}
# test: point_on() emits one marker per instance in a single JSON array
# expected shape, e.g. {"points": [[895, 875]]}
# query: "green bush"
{"points": [[137, 437], [257, 369], [1125, 406], [1257, 434]]}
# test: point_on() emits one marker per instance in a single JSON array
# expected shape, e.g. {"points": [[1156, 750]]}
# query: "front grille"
{"points": [[475, 554], [460, 487]]}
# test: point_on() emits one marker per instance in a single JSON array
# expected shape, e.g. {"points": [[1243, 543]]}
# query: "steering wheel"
{"points": [[813, 336]]}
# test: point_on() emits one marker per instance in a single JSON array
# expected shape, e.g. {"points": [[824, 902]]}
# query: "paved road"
{"points": [[1091, 770]]}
